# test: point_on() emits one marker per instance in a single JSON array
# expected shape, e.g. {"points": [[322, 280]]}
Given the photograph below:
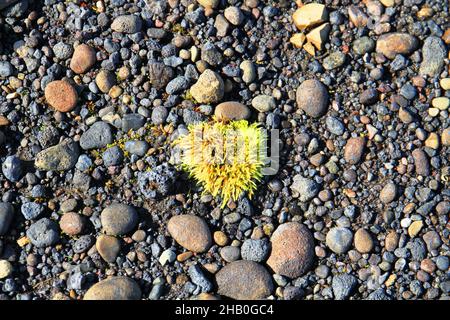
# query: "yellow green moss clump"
{"points": [[226, 158]]}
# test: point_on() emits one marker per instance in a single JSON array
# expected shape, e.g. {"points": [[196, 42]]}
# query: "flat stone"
{"points": [[127, 24], [319, 35], [114, 288], [43, 233], [391, 44], [232, 110], [264, 103], [191, 232], [108, 247], [61, 95], [244, 280], [61, 157], [310, 15], [292, 250], [433, 54], [99, 135]]}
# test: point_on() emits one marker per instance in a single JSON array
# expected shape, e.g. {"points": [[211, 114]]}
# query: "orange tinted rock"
{"points": [[83, 59], [61, 95]]}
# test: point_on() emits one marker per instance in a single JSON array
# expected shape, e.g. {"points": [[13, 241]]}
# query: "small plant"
{"points": [[226, 158]]}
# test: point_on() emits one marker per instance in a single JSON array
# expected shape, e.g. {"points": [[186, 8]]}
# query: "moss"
{"points": [[224, 157]]}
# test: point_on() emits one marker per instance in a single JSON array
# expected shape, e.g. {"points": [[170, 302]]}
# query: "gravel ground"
{"points": [[93, 92]]}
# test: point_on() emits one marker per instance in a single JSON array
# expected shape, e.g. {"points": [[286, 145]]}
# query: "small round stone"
{"points": [[191, 232], [72, 223], [292, 250], [108, 247], [114, 288], [388, 193], [43, 233], [234, 15], [118, 219], [354, 150], [363, 241], [83, 59], [61, 95], [312, 97], [105, 80], [220, 238], [232, 111], [244, 280], [339, 239], [255, 250]]}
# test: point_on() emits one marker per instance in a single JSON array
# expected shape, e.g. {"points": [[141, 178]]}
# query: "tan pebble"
{"points": [[309, 48], [446, 137], [220, 238], [363, 241], [310, 15], [319, 35], [387, 3], [391, 280], [184, 256], [432, 141], [445, 83], [433, 112], [298, 40], [83, 58], [441, 103], [414, 228], [391, 241]]}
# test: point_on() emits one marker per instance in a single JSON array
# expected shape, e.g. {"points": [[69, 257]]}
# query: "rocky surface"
{"points": [[93, 95]]}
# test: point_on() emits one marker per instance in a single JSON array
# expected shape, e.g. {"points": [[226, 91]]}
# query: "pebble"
{"points": [[312, 97], [388, 193], [6, 69], [363, 241], [369, 97], [83, 59], [255, 250], [159, 74], [309, 15], [209, 88], [335, 126], [414, 228], [363, 45], [105, 80], [441, 103], [61, 95], [72, 223], [230, 253], [6, 217], [263, 103], [168, 256], [421, 162], [433, 54], [209, 3], [391, 241], [234, 15], [343, 286], [305, 188], [137, 147], [43, 233], [292, 250], [190, 232], [61, 157], [118, 219], [127, 24], [63, 51], [354, 150], [232, 110], [334, 60], [108, 247], [6, 269], [112, 156], [244, 280], [391, 44], [114, 288], [99, 135], [248, 71], [220, 238], [31, 210], [339, 239], [12, 168]]}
